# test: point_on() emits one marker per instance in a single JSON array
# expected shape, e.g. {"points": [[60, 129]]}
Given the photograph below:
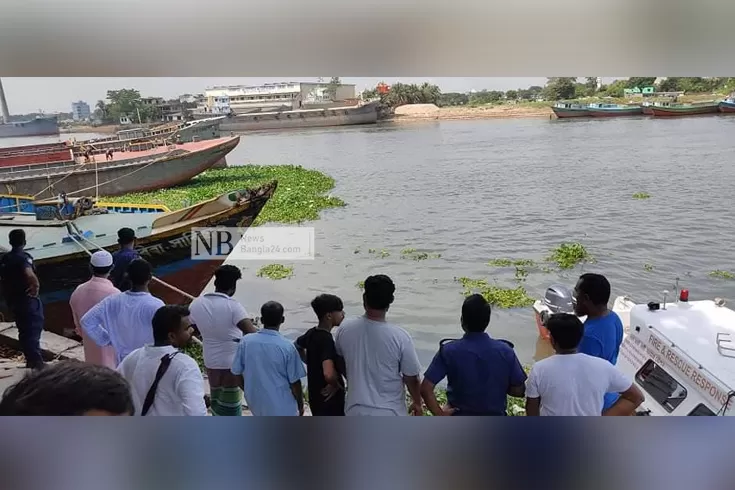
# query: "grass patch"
{"points": [[568, 255], [722, 274], [275, 271], [641, 195], [495, 295], [300, 196]]}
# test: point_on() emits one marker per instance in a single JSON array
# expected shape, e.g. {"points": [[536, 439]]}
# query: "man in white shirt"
{"points": [[379, 357], [570, 383], [164, 380], [124, 320], [222, 321]]}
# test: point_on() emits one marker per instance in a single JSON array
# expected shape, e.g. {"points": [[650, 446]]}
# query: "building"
{"points": [[275, 96], [80, 111]]}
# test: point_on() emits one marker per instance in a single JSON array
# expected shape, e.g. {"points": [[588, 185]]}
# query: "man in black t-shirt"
{"points": [[324, 369]]}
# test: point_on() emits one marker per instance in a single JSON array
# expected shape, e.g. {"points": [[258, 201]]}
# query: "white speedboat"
{"points": [[680, 353]]}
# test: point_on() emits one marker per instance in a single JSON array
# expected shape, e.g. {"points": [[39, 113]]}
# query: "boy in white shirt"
{"points": [[570, 383]]}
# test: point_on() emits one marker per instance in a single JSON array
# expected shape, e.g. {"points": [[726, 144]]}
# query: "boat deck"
{"points": [[158, 150], [694, 327]]}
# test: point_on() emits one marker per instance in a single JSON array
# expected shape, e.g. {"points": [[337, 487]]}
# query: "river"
{"points": [[477, 190]]}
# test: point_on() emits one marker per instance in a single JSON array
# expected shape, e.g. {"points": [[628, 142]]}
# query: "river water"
{"points": [[477, 190]]}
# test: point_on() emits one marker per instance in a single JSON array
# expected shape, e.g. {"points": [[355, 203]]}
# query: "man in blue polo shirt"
{"points": [[481, 371], [603, 329], [122, 259], [271, 368]]}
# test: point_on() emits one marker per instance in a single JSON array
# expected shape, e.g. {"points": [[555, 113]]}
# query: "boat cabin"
{"points": [[570, 105], [682, 356]]}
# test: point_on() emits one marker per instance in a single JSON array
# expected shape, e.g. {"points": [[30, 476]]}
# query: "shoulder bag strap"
{"points": [[162, 368]]}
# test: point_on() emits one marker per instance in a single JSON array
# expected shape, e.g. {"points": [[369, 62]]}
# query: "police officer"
{"points": [[20, 289]]}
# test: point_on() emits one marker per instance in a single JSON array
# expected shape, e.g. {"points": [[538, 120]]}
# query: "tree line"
{"points": [[128, 102], [557, 88]]}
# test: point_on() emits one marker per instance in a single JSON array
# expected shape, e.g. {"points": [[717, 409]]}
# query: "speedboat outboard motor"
{"points": [[558, 299]]}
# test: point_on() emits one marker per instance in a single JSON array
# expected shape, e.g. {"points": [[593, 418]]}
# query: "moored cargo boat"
{"points": [[727, 106], [614, 110], [60, 248], [565, 110], [679, 110], [53, 173]]}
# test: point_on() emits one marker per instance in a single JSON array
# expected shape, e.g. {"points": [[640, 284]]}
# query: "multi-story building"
{"points": [[80, 111], [283, 95]]}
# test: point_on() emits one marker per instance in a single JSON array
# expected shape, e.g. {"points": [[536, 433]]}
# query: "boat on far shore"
{"points": [[614, 110], [727, 106], [680, 110], [565, 110]]}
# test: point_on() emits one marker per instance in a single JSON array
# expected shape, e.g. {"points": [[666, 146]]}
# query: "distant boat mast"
{"points": [[4, 104]]}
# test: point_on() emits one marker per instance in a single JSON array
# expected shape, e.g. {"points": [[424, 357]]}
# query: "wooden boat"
{"points": [[614, 110], [52, 173], [59, 247], [302, 118], [727, 106], [62, 207], [679, 110], [647, 107], [565, 110]]}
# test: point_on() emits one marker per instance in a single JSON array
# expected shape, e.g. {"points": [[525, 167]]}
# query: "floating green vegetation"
{"points": [[521, 273], [275, 271], [408, 251], [568, 255], [511, 263], [641, 195], [360, 285], [722, 274], [300, 196], [382, 253], [194, 350], [413, 254], [495, 295], [371, 250], [648, 267], [546, 269], [357, 250]]}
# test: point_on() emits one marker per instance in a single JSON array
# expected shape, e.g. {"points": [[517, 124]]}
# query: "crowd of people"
{"points": [[135, 362]]}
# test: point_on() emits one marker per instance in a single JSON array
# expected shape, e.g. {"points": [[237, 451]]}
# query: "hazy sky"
{"points": [[25, 95]]}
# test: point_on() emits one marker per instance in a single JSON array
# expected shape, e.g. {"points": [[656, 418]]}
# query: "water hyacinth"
{"points": [[275, 271], [495, 295], [300, 196], [568, 255]]}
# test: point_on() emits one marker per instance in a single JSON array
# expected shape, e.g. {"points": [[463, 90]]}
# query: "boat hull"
{"points": [[648, 111], [169, 253], [117, 177], [684, 111], [727, 107], [36, 127], [570, 113], [308, 118], [633, 111]]}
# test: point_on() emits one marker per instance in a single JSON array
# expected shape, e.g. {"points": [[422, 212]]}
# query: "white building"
{"points": [[292, 95], [80, 111]]}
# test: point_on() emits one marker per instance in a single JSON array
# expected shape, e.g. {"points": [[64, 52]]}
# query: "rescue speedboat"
{"points": [[681, 353]]}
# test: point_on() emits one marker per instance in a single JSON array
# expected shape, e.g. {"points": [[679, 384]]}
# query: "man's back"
{"points": [[123, 320], [574, 384], [12, 266], [602, 338], [181, 389], [121, 259], [269, 364], [377, 355], [480, 370], [216, 315]]}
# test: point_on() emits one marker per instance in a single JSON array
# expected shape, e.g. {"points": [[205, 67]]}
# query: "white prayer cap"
{"points": [[101, 258]]}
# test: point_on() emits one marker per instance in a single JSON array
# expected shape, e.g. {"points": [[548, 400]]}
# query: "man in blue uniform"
{"points": [[20, 289], [122, 258], [481, 371]]}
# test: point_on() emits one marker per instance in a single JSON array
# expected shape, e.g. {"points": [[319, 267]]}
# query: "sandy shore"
{"points": [[469, 113]]}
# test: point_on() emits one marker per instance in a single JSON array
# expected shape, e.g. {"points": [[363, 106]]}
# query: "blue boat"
{"points": [[727, 106], [61, 208]]}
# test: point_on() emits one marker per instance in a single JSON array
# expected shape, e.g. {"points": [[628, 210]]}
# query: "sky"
{"points": [[26, 95]]}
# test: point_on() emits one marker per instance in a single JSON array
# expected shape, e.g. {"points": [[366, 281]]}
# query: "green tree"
{"points": [[670, 84], [591, 84], [453, 99], [331, 89], [511, 95], [639, 82], [616, 88], [560, 88], [101, 112]]}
